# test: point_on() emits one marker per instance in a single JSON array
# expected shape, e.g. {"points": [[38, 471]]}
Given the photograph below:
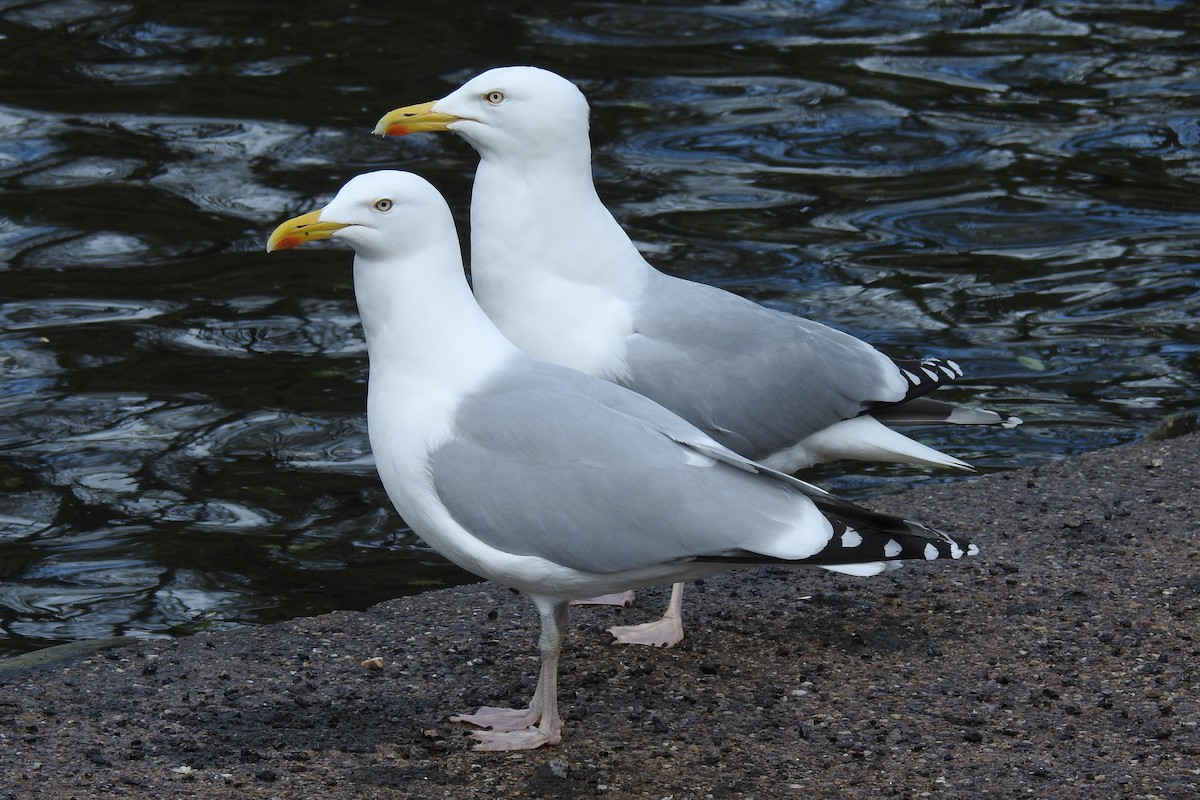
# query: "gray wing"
{"points": [[755, 379], [548, 462]]}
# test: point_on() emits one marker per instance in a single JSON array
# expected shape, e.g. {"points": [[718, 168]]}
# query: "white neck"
{"points": [[550, 265], [517, 210], [422, 325]]}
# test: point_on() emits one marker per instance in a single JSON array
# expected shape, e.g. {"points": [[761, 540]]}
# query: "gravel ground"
{"points": [[1060, 663]]}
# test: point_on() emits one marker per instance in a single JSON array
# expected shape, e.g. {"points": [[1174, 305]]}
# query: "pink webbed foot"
{"points": [[506, 741], [623, 599], [666, 632], [494, 718], [507, 729]]}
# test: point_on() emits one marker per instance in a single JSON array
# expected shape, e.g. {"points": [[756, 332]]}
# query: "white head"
{"points": [[417, 311], [378, 214], [523, 111]]}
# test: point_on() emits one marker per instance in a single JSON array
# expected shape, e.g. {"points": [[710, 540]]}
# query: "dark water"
{"points": [[182, 442]]}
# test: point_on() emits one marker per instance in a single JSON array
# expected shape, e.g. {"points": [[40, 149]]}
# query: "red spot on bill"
{"points": [[397, 129], [290, 242]]}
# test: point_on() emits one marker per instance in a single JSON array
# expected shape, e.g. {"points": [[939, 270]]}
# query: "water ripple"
{"points": [[84, 171], [45, 16], [1049, 229], [182, 442], [41, 314], [104, 249], [201, 153], [150, 38], [27, 143], [337, 442], [1032, 22], [325, 328], [739, 25], [631, 26], [25, 514]]}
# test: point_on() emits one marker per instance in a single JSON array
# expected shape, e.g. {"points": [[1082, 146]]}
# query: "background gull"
{"points": [[560, 277], [545, 479]]}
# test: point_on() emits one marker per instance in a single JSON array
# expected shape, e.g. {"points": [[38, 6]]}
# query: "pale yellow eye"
{"points": [[495, 97], [383, 204]]}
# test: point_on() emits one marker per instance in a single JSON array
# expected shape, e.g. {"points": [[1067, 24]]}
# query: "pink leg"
{"points": [[666, 632], [540, 724]]}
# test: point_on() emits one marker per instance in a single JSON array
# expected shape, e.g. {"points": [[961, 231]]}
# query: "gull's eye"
{"points": [[495, 97], [383, 204]]}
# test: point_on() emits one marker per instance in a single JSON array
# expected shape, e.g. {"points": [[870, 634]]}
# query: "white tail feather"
{"points": [[860, 439]]}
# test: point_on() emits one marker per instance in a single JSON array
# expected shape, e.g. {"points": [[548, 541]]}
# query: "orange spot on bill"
{"points": [[397, 129], [290, 242]]}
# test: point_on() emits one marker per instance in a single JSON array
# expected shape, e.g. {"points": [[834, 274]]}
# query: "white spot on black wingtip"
{"points": [[913, 379], [892, 548], [933, 376], [851, 538], [954, 366], [931, 552], [972, 550], [956, 552]]}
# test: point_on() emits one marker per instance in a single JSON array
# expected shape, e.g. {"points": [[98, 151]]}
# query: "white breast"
{"points": [[581, 326]]}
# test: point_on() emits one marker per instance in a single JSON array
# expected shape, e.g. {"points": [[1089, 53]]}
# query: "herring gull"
{"points": [[542, 478], [563, 281]]}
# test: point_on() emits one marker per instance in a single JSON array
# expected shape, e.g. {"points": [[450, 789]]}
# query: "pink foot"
{"points": [[624, 599], [666, 632], [501, 720], [502, 742], [510, 729]]}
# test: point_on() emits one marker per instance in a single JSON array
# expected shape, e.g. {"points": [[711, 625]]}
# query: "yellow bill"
{"points": [[304, 228], [414, 119]]}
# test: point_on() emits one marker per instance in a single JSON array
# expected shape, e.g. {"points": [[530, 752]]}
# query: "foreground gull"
{"points": [[563, 281], [542, 478]]}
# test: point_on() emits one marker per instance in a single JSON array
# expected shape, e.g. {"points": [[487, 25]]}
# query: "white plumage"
{"points": [[543, 478], [558, 275]]}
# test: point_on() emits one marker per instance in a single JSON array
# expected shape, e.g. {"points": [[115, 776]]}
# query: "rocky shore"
{"points": [[1063, 662]]}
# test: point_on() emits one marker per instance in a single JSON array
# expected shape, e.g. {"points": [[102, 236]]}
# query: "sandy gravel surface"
{"points": [[1063, 662]]}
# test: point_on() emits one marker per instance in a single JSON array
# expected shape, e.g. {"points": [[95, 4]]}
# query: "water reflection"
{"points": [[182, 441]]}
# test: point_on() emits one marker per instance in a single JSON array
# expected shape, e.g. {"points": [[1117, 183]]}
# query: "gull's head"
{"points": [[507, 109], [376, 214]]}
